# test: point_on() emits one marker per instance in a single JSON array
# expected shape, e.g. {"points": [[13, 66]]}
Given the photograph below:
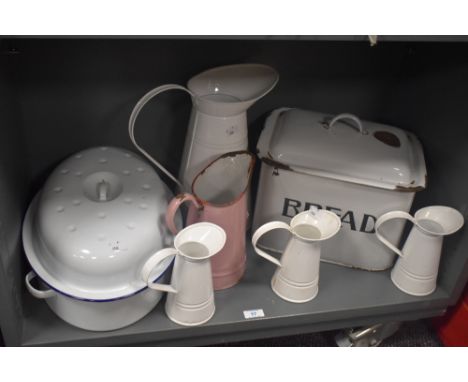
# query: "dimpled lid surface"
{"points": [[99, 217]]}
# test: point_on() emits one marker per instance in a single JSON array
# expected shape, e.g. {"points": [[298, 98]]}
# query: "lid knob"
{"points": [[103, 191], [102, 186]]}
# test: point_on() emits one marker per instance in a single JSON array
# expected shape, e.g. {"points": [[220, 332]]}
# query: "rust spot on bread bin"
{"points": [[271, 162], [388, 138]]}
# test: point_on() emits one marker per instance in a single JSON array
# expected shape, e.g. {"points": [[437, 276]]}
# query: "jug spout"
{"points": [[230, 90], [439, 220]]}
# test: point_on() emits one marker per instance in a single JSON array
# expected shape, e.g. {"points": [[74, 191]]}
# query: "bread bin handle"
{"points": [[42, 294], [346, 116]]}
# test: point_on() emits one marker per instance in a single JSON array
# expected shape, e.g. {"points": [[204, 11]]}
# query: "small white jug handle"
{"points": [[390, 216], [149, 266], [263, 230], [46, 293], [136, 110], [352, 117]]}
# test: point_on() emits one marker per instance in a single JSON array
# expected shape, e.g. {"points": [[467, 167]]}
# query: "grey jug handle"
{"points": [[131, 124]]}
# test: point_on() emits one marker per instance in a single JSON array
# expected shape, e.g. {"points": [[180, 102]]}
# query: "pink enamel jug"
{"points": [[219, 196]]}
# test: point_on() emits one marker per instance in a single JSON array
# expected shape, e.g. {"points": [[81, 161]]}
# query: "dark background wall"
{"points": [[78, 93]]}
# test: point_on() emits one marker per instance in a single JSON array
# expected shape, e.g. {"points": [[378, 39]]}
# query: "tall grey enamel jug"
{"points": [[416, 269], [218, 122]]}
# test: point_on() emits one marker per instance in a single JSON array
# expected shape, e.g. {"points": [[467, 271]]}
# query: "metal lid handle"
{"points": [[347, 116]]}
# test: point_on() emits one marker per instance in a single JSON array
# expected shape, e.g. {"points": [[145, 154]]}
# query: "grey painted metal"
{"points": [[346, 297], [64, 95], [368, 335]]}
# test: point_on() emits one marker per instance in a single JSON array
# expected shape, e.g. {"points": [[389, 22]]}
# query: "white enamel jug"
{"points": [[297, 276], [218, 122], [190, 299], [416, 269]]}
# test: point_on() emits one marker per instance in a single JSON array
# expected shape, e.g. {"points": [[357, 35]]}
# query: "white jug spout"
{"points": [[230, 90], [439, 220]]}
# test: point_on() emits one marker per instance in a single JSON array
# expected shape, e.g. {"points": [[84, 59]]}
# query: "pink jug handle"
{"points": [[263, 230], [174, 206], [390, 216]]}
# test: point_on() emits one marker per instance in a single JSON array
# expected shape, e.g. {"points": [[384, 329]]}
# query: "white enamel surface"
{"points": [[104, 316], [355, 245], [417, 267], [421, 254], [207, 138], [304, 141], [193, 304], [191, 301], [89, 239], [297, 276], [416, 271]]}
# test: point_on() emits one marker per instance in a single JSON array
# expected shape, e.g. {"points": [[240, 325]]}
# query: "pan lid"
{"points": [[343, 147], [97, 219]]}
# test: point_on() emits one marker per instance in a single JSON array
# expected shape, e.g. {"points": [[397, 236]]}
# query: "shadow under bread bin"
{"points": [[89, 231], [356, 169]]}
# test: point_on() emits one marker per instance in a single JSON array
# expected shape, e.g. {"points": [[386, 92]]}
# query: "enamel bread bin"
{"points": [[87, 234], [357, 169]]}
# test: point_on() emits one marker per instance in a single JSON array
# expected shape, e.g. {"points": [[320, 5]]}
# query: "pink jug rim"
{"points": [[241, 194]]}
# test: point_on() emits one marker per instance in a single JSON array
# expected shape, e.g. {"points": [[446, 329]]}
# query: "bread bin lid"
{"points": [[343, 147], [97, 219]]}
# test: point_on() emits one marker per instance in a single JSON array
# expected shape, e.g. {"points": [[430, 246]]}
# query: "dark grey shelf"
{"points": [[347, 297]]}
